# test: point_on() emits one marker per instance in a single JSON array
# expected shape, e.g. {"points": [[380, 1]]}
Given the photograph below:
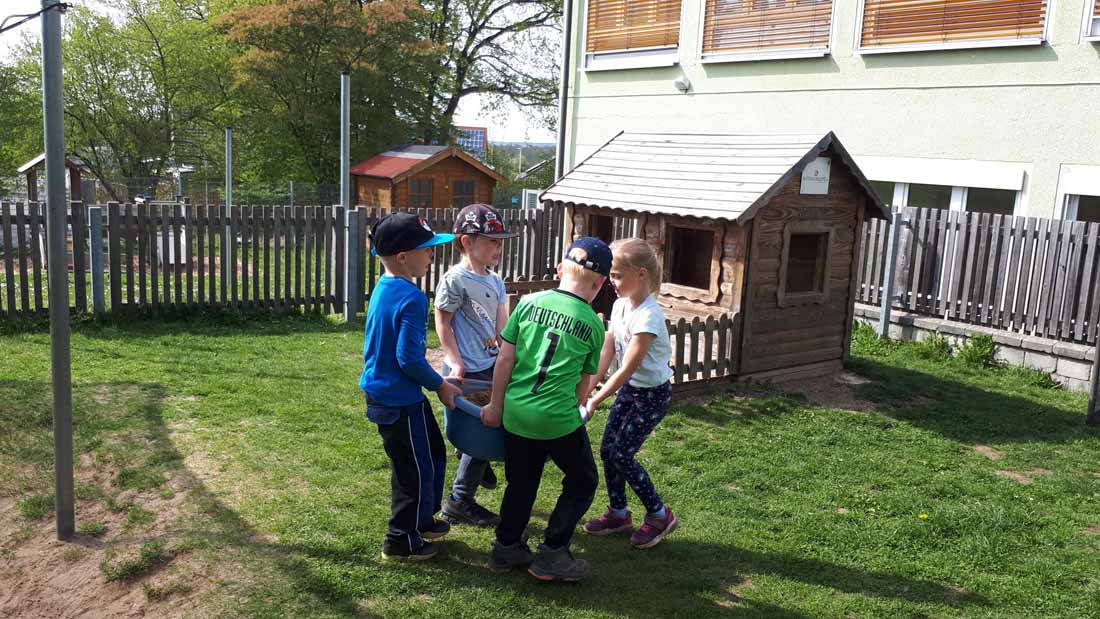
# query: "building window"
{"points": [[1092, 22], [929, 196], [916, 24], [762, 28], [885, 190], [804, 266], [420, 193], [1088, 209], [462, 193], [995, 201], [621, 25]]}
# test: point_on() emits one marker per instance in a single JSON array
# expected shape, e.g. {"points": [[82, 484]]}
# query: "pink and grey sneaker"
{"points": [[608, 523], [654, 530]]}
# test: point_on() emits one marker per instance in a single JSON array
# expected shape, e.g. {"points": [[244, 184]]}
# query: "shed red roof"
{"points": [[392, 163]]}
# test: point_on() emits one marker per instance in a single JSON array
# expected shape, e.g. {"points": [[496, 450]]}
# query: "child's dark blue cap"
{"points": [[591, 253], [400, 232]]}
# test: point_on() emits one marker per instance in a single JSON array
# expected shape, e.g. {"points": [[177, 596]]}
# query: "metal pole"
{"points": [[563, 91], [351, 287], [58, 272], [345, 140], [1094, 389], [890, 275], [226, 240], [95, 239], [292, 193]]}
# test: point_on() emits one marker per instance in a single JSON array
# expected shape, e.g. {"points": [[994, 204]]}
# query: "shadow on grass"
{"points": [[964, 412]]}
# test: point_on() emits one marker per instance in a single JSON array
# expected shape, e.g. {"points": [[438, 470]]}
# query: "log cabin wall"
{"points": [[443, 176], [370, 191], [784, 329]]}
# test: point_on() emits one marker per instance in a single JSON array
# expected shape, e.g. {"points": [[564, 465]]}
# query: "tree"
{"points": [[290, 54], [20, 124], [505, 49]]}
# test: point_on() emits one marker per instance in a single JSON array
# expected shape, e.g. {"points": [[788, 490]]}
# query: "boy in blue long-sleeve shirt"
{"points": [[395, 373]]}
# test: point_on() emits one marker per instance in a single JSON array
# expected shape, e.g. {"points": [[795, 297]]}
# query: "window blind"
{"points": [[622, 25], [747, 26], [915, 22]]}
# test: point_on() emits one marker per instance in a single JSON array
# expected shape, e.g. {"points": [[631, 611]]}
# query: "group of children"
{"points": [[546, 362]]}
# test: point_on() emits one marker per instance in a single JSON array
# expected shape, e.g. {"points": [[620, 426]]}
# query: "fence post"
{"points": [[351, 287], [95, 241], [890, 276], [114, 254], [1094, 389]]}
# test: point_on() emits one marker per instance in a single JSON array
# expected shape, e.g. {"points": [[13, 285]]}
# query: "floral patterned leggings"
{"points": [[634, 415]]}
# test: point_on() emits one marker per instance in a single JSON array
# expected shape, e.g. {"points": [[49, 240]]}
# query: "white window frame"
{"points": [[1087, 24], [721, 57], [925, 47], [648, 58], [1073, 181], [959, 197]]}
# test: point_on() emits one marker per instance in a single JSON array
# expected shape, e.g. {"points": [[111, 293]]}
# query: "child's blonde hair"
{"points": [[638, 254], [579, 273]]}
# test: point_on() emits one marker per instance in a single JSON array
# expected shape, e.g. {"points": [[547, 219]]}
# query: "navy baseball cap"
{"points": [[403, 231], [482, 220], [592, 254]]}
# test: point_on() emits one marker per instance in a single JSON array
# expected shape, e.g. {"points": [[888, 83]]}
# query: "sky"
{"points": [[510, 125]]}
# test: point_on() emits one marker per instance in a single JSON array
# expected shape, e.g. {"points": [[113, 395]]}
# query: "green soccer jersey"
{"points": [[557, 337]]}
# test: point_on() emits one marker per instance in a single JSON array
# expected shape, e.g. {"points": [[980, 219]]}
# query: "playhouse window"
{"points": [[804, 266], [690, 251], [806, 263], [602, 227]]}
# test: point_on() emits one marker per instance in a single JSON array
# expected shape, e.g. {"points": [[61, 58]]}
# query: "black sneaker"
{"points": [[435, 530], [557, 564], [467, 512], [393, 553], [504, 558], [489, 479]]}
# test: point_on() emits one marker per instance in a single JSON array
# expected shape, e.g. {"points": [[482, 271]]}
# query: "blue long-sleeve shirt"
{"points": [[394, 339]]}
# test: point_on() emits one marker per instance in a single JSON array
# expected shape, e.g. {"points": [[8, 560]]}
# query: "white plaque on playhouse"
{"points": [[815, 177]]}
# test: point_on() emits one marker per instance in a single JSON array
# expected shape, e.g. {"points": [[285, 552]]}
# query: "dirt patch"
{"points": [[836, 391], [1093, 530], [733, 593], [47, 578], [1019, 478], [988, 452], [1041, 472], [952, 594], [842, 510], [435, 358]]}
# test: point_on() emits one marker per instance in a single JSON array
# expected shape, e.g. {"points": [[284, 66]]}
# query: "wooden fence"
{"points": [[1023, 274], [183, 256], [704, 350]]}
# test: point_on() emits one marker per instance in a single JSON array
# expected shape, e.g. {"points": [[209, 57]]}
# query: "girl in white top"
{"points": [[637, 341]]}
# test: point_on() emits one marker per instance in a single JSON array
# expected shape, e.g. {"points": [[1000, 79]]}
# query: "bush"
{"points": [[865, 341], [979, 351], [1033, 377], [934, 347]]}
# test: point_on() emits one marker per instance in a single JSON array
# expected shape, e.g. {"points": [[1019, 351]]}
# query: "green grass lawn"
{"points": [[238, 455]]}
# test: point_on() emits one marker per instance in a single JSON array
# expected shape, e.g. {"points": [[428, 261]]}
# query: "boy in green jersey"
{"points": [[550, 348]]}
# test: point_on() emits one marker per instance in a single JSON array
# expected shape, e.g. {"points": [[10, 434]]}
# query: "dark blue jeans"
{"points": [[418, 462]]}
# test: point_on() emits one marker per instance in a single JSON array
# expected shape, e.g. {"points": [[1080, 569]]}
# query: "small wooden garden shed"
{"points": [[418, 176], [762, 228]]}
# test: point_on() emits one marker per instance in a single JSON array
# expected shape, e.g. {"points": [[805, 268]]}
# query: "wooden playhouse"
{"points": [[762, 228]]}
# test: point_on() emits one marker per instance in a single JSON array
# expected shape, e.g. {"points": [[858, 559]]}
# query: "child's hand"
{"points": [[458, 371], [447, 393], [490, 416], [591, 406]]}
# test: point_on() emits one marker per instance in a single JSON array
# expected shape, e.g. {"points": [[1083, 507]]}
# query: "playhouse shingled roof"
{"points": [[721, 176], [401, 162]]}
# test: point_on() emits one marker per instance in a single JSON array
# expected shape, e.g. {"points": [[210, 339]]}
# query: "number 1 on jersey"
{"points": [[546, 359]]}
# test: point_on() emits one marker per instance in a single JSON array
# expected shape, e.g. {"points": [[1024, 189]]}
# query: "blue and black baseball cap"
{"points": [[591, 253], [403, 231]]}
